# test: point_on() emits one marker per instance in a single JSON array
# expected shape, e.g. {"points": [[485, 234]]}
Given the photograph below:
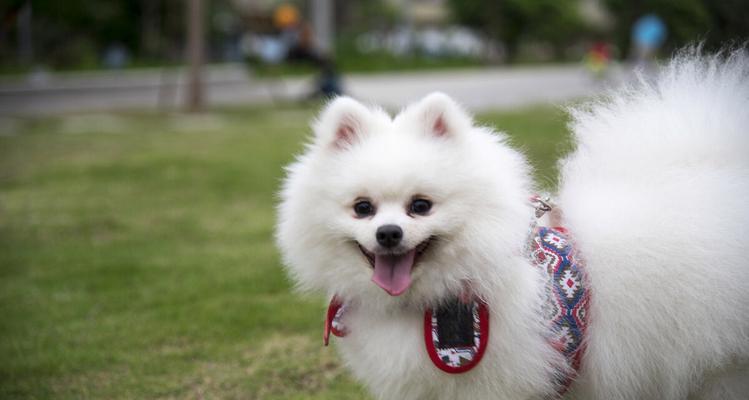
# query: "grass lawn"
{"points": [[137, 260]]}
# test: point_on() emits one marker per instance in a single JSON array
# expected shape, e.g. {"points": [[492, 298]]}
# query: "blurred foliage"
{"points": [[714, 22], [350, 59], [356, 16], [559, 24], [77, 33], [556, 22], [730, 20]]}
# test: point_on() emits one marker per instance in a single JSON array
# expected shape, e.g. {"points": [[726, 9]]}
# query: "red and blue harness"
{"points": [[567, 297], [456, 334]]}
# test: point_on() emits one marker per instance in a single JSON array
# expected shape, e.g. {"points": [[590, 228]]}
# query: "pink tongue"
{"points": [[393, 273]]}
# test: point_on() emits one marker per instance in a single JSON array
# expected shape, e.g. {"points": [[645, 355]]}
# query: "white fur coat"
{"points": [[655, 194]]}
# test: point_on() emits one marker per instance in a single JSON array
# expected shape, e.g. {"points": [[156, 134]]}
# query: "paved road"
{"points": [[478, 89]]}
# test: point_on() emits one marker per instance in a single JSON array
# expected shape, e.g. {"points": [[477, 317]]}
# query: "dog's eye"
{"points": [[364, 208], [420, 206]]}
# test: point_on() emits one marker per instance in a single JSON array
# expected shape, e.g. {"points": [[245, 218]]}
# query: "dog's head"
{"points": [[414, 206]]}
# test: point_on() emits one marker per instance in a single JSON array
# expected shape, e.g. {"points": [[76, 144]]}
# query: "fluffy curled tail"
{"points": [[653, 150], [656, 196], [694, 111]]}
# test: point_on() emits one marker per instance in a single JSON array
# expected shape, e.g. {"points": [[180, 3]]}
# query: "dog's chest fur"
{"points": [[386, 351]]}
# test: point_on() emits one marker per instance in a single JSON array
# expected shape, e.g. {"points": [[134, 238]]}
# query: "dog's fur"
{"points": [[655, 195]]}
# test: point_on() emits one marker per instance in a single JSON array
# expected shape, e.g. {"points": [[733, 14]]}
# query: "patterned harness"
{"points": [[567, 297], [565, 310]]}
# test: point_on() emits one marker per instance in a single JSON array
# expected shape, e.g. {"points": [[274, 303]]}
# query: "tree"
{"points": [[556, 22], [195, 54], [686, 20], [729, 22]]}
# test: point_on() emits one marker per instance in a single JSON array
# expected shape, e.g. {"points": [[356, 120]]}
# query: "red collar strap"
{"points": [[333, 320], [455, 335]]}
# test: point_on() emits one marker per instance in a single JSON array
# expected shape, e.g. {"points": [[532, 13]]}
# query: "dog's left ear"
{"points": [[441, 116]]}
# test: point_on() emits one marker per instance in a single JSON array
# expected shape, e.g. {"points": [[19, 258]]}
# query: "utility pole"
{"points": [[322, 22], [195, 55]]}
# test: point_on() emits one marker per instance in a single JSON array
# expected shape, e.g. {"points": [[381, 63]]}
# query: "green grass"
{"points": [[137, 260]]}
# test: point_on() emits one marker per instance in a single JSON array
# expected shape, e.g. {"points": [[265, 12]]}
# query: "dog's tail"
{"points": [[656, 194], [664, 155]]}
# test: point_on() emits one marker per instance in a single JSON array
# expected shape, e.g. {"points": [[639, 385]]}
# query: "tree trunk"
{"points": [[195, 55]]}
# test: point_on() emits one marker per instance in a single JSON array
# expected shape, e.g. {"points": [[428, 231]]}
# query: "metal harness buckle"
{"points": [[542, 205]]}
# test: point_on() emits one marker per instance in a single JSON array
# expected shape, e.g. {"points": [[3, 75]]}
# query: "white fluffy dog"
{"points": [[394, 216]]}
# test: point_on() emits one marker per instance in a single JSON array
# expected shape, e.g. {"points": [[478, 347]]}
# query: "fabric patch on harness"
{"points": [[456, 335]]}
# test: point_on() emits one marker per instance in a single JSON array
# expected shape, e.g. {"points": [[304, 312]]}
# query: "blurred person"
{"points": [[116, 56], [297, 37], [598, 59], [648, 34]]}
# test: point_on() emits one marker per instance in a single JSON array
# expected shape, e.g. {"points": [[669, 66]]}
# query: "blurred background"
{"points": [[142, 144], [79, 55]]}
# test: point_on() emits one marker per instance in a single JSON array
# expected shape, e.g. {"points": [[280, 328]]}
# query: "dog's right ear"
{"points": [[342, 122]]}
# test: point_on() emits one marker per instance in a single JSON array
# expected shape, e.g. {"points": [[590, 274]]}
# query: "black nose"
{"points": [[389, 235]]}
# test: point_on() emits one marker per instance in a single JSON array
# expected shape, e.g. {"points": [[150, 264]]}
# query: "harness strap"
{"points": [[567, 292], [567, 297]]}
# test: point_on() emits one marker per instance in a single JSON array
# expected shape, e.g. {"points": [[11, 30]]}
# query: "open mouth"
{"points": [[392, 272]]}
